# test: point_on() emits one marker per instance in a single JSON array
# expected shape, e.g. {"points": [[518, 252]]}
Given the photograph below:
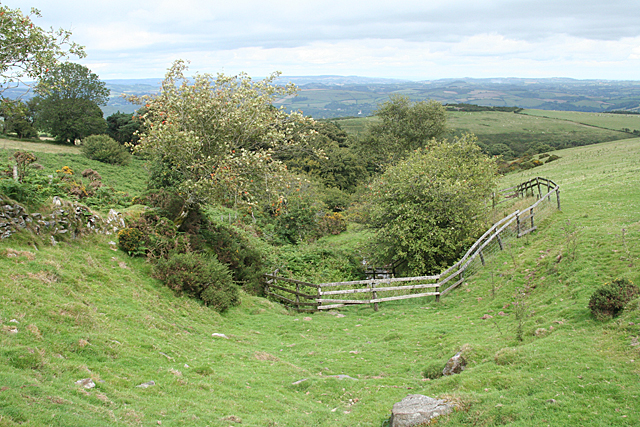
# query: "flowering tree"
{"points": [[28, 51], [218, 135]]}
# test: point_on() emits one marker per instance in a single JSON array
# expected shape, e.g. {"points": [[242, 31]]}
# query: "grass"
{"points": [[84, 310], [129, 179], [523, 131]]}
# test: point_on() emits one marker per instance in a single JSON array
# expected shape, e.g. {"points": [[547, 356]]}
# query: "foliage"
{"points": [[131, 240], [67, 105], [28, 51], [218, 135], [105, 149], [328, 155], [403, 127], [244, 259], [124, 128], [428, 209], [23, 160], [17, 118], [610, 299], [201, 277]]}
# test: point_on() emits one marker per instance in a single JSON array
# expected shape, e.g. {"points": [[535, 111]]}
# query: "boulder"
{"points": [[455, 365], [416, 409]]}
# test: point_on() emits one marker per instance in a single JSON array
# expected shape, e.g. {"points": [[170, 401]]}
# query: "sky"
{"points": [[402, 39]]}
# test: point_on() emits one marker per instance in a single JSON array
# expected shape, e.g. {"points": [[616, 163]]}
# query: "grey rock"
{"points": [[455, 365], [147, 384], [416, 409], [343, 377], [86, 383]]}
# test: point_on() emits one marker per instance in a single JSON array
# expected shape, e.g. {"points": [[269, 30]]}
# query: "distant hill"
{"points": [[343, 96]]}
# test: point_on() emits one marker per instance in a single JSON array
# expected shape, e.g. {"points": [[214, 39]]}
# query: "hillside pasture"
{"points": [[535, 355]]}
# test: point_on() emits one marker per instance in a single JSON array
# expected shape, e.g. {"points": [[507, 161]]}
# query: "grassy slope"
{"points": [[607, 121], [86, 311]]}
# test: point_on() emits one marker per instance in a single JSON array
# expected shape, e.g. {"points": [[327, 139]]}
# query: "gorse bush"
{"points": [[245, 261], [199, 276], [610, 299], [105, 149], [132, 241]]}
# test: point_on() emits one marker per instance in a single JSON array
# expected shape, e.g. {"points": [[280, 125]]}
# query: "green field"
{"points": [[601, 120], [528, 129], [82, 310]]}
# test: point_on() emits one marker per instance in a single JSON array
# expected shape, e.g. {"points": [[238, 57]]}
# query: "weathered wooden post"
{"points": [[539, 189], [518, 224], [558, 196], [531, 213], [374, 294], [298, 297]]}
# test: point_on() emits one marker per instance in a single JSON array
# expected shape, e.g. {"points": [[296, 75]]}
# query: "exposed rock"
{"points": [[147, 384], [416, 409], [455, 365], [343, 377], [219, 335], [86, 383], [487, 316]]}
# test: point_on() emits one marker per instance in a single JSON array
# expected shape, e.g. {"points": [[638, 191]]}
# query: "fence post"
{"points": [[531, 213], [374, 294], [558, 196], [481, 258], [298, 297], [319, 293], [539, 189], [518, 224], [500, 242]]}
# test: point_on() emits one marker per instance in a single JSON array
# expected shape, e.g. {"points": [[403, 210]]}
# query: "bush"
{"points": [[552, 158], [105, 149], [610, 299], [132, 240], [241, 256], [202, 277]]}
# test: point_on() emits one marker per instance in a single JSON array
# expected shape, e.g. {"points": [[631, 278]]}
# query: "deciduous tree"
{"points": [[26, 50], [403, 127], [68, 101], [427, 209], [216, 136]]}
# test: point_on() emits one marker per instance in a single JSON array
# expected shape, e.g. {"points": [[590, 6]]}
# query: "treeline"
{"points": [[477, 108]]}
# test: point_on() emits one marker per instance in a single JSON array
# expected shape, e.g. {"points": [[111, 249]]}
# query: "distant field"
{"points": [[529, 128], [602, 120]]}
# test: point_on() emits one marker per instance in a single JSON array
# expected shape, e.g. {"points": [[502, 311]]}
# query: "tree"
{"points": [[123, 127], [215, 137], [428, 209], [403, 127], [17, 118], [68, 102], [28, 51]]}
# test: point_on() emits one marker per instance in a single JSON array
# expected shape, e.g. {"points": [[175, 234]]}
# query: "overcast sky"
{"points": [[417, 40]]}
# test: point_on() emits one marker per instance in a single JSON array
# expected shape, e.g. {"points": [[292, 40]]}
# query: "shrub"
{"points": [[610, 299], [202, 277], [552, 158], [132, 241], [241, 256], [332, 223], [105, 149]]}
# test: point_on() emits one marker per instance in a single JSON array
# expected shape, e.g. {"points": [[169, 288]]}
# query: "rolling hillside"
{"points": [[82, 310]]}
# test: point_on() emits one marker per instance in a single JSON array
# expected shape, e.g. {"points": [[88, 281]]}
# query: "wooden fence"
{"points": [[305, 296]]}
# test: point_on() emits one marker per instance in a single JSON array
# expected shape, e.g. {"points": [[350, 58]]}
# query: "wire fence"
{"points": [[542, 193]]}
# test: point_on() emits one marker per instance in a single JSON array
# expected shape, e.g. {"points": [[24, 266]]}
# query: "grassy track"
{"points": [[84, 311]]}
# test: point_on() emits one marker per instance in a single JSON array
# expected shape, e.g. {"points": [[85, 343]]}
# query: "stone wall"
{"points": [[67, 218]]}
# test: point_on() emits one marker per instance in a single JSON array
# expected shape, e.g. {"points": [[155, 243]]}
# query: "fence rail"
{"points": [[310, 297]]}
